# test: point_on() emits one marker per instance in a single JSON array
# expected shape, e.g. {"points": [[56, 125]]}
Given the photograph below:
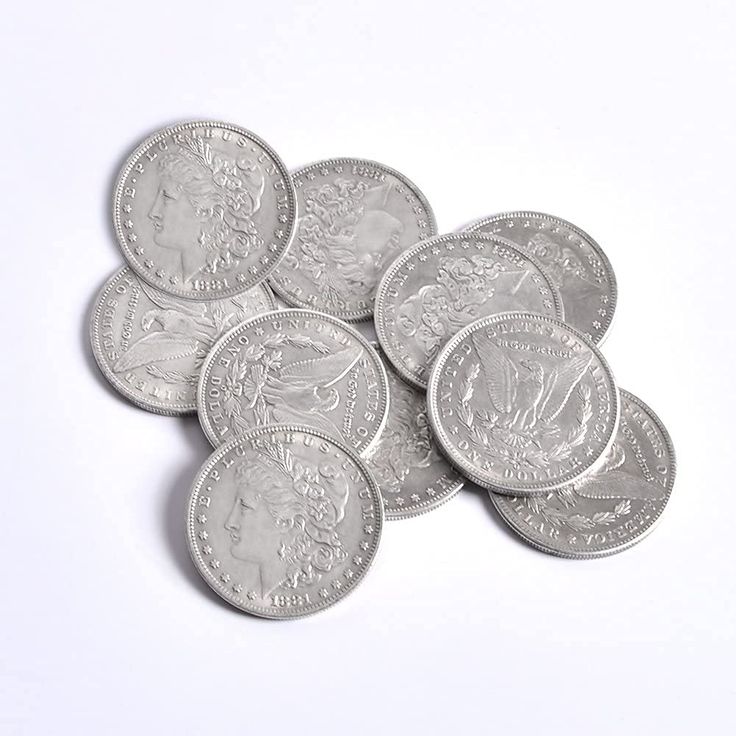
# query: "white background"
{"points": [[619, 117]]}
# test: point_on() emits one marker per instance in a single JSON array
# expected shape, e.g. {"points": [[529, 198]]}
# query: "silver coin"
{"points": [[294, 366], [413, 475], [355, 217], [574, 261], [610, 510], [150, 345], [439, 286], [522, 403], [284, 521], [204, 210]]}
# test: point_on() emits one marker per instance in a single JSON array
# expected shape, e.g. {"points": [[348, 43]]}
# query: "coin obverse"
{"points": [[611, 509], [437, 287], [150, 345], [575, 262], [284, 521], [522, 403], [203, 210], [355, 217], [294, 366], [413, 475]]}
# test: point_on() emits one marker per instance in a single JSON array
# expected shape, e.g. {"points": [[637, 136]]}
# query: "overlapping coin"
{"points": [[294, 366], [439, 286], [150, 345], [284, 521], [523, 403], [611, 509], [574, 261], [355, 217], [203, 210], [413, 475]]}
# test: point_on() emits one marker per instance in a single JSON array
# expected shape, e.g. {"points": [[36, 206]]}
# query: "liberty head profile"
{"points": [[461, 292], [347, 237], [205, 205], [286, 518]]}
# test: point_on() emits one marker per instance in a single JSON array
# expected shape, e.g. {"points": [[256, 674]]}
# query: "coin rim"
{"points": [[383, 286], [613, 296], [134, 157], [496, 499], [201, 477], [284, 314], [121, 387], [424, 508], [530, 489], [352, 315]]}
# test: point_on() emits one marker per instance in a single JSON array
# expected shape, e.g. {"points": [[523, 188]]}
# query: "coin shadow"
{"points": [[483, 495]]}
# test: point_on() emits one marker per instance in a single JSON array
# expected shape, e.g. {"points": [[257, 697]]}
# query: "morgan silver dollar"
{"points": [[413, 475], [294, 366], [574, 261], [439, 286], [203, 210], [150, 346], [611, 509], [284, 521], [355, 217], [523, 403]]}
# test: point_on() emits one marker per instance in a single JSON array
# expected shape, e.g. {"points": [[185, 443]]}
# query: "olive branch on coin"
{"points": [[578, 522], [535, 456]]}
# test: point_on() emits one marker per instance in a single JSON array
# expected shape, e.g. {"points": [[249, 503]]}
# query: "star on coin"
{"points": [[128, 224], [349, 574], [364, 546], [368, 529], [139, 251], [238, 588], [357, 560], [225, 578], [311, 176], [132, 237], [203, 535], [127, 208], [202, 518], [207, 549], [148, 263], [214, 564], [251, 595], [415, 497]]}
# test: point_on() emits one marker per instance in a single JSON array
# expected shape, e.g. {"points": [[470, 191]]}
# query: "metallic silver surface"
{"points": [[283, 521], [150, 345], [611, 509], [355, 217], [413, 475], [439, 286], [203, 210], [574, 261], [522, 403], [294, 366]]}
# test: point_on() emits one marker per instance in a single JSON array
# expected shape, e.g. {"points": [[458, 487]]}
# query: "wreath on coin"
{"points": [[251, 370]]}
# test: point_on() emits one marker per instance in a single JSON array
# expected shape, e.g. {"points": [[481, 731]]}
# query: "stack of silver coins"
{"points": [[487, 368]]}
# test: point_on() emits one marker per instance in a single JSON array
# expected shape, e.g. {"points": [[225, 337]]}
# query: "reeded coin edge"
{"points": [[289, 227], [526, 536], [155, 407], [396, 265], [214, 583], [528, 489], [353, 315], [285, 314], [613, 297]]}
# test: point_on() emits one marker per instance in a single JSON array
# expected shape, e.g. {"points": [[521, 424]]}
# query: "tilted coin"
{"points": [[439, 286], [284, 521], [522, 403], [611, 509], [295, 366], [413, 475], [355, 217], [150, 345], [575, 262], [203, 210]]}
